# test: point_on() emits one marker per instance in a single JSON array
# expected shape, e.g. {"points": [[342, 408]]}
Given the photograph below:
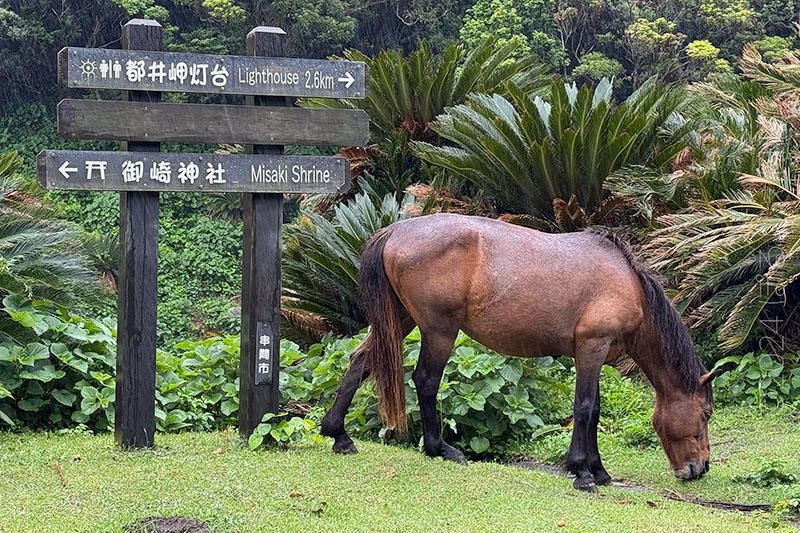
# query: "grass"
{"points": [[742, 439], [309, 488]]}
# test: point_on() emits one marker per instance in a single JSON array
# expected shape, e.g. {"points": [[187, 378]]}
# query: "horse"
{"points": [[523, 293]]}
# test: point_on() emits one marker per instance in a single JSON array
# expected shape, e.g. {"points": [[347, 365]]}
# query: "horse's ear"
{"points": [[708, 377]]}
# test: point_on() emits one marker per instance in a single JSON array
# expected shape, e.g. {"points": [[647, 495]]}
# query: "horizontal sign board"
{"points": [[198, 123], [135, 70], [155, 171]]}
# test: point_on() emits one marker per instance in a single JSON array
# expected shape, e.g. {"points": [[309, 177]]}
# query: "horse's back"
{"points": [[515, 289]]}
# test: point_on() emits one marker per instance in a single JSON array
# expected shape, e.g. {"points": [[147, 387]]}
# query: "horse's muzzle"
{"points": [[692, 470]]}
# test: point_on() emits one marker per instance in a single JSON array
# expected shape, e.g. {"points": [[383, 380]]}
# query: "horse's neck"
{"points": [[648, 356]]}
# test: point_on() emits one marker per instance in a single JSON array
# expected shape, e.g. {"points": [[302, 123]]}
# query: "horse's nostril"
{"points": [[691, 470], [706, 465]]}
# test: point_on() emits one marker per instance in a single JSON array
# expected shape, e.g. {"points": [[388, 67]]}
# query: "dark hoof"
{"points": [[456, 458], [449, 453], [585, 485], [345, 447], [602, 478]]}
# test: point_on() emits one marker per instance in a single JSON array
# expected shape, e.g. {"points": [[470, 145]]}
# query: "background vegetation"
{"points": [[676, 122]]}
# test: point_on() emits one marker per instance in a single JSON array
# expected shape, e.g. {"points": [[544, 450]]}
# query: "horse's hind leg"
{"points": [[433, 356], [357, 372], [333, 422], [589, 358]]}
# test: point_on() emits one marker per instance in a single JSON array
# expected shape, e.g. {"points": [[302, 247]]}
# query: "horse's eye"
{"points": [[707, 415]]}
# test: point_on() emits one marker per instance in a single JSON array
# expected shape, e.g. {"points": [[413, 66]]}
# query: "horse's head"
{"points": [[681, 421]]}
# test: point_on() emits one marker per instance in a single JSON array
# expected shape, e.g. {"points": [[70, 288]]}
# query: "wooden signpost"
{"points": [[101, 68], [140, 171]]}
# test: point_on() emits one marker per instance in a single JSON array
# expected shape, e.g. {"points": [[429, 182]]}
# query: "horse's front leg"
{"points": [[599, 473], [583, 454], [433, 356]]}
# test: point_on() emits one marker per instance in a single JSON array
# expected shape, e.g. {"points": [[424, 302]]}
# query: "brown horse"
{"points": [[528, 294]]}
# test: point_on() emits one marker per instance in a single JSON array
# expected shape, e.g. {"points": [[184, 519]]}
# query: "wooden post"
{"points": [[136, 292], [259, 363]]}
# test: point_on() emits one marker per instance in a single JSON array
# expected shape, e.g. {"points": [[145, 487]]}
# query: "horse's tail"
{"points": [[383, 347], [673, 337]]}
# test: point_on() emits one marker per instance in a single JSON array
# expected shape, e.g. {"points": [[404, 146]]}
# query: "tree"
{"points": [[531, 153], [595, 66], [736, 257], [652, 46], [321, 260]]}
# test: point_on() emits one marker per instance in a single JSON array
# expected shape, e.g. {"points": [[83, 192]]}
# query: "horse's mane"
{"points": [[677, 347]]}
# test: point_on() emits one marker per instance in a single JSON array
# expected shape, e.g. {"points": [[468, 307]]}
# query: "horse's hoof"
{"points": [[345, 448], [602, 478], [449, 453], [584, 485], [456, 458]]}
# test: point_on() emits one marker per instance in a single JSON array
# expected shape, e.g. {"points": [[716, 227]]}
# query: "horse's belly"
{"points": [[522, 340]]}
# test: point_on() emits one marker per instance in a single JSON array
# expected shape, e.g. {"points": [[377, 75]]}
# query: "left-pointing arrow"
{"points": [[65, 169]]}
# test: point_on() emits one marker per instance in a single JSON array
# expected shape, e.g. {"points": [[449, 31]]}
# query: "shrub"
{"points": [[757, 379], [768, 474], [67, 378], [321, 259], [626, 406]]}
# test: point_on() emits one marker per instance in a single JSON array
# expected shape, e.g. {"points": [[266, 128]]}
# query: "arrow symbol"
{"points": [[348, 79], [65, 169]]}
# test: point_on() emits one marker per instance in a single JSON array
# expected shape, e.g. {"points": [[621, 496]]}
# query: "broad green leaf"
{"points": [[479, 444], [64, 397], [255, 440], [31, 404]]}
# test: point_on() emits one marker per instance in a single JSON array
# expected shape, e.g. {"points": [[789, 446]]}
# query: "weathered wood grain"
{"points": [[197, 123], [137, 294], [261, 269]]}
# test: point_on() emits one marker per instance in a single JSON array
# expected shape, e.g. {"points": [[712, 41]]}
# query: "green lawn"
{"points": [[742, 438], [308, 488]]}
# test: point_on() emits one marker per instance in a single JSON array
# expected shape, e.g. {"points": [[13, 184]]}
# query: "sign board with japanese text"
{"points": [[264, 354], [140, 171], [156, 171], [102, 68]]}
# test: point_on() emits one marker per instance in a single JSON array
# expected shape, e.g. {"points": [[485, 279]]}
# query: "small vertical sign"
{"points": [[264, 352]]}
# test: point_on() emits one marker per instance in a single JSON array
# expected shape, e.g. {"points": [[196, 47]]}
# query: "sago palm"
{"points": [[321, 259], [528, 151], [736, 260], [406, 93], [39, 259]]}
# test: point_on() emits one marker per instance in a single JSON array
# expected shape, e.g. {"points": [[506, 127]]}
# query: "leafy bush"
{"points": [[68, 378], [757, 379], [485, 399], [626, 406], [63, 378], [283, 432], [789, 506], [768, 474]]}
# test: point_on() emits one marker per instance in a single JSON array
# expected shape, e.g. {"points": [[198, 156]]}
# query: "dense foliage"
{"points": [[680, 40], [679, 121], [68, 378], [529, 151]]}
